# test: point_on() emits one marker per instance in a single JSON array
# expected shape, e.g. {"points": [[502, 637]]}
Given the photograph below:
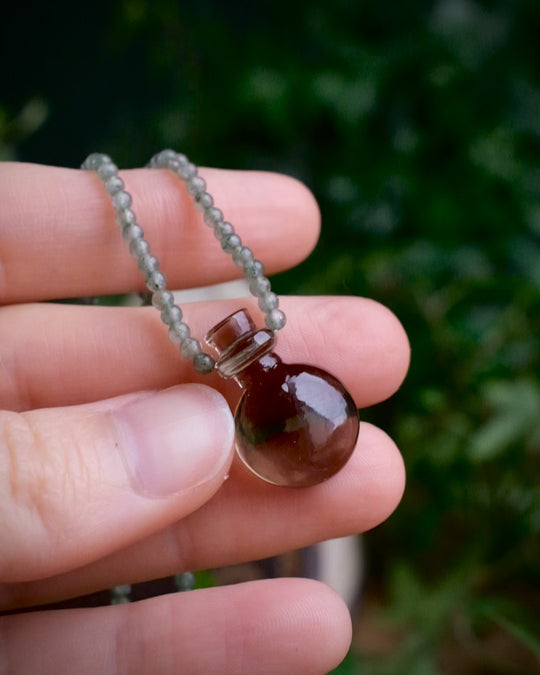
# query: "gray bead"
{"points": [[121, 200], [228, 244], [268, 302], [106, 170], [275, 320], [242, 255], [203, 202], [253, 268], [196, 186], [223, 230], [131, 232], [148, 263], [190, 347], [170, 315], [178, 332], [120, 595], [174, 165], [156, 281], [113, 185], [163, 158], [162, 299], [203, 363], [177, 161], [95, 160], [213, 217], [138, 247], [184, 581], [259, 286], [125, 217], [186, 171]]}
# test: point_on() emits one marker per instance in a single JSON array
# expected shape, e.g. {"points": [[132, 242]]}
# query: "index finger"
{"points": [[58, 236]]}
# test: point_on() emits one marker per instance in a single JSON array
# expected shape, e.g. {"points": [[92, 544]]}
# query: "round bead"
{"points": [[125, 217], [170, 315], [162, 299], [186, 171], [95, 160], [190, 347], [106, 170], [203, 363], [253, 268], [113, 185], [275, 319], [242, 255], [138, 247], [163, 158], [196, 186], [178, 332], [203, 202], [213, 217], [121, 200], [156, 281], [268, 302], [180, 159], [148, 263], [259, 286], [223, 230], [231, 242], [184, 581], [131, 232], [177, 163]]}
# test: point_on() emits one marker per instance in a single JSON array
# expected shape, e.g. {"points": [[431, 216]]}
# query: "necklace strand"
{"points": [[162, 299]]}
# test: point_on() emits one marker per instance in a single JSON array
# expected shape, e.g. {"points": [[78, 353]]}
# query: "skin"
{"points": [[74, 517]]}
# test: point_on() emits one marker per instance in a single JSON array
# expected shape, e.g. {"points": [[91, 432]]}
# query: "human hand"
{"points": [[111, 472]]}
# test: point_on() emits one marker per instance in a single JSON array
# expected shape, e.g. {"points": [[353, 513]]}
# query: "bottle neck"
{"points": [[258, 371]]}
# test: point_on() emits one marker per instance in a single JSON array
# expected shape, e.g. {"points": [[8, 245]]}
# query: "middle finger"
{"points": [[59, 355]]}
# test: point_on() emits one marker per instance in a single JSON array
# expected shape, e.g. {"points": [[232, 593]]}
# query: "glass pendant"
{"points": [[296, 425]]}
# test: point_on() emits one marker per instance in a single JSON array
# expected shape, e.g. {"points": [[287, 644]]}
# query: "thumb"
{"points": [[78, 483]]}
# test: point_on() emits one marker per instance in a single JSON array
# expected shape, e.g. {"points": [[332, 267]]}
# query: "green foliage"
{"points": [[417, 126], [205, 579]]}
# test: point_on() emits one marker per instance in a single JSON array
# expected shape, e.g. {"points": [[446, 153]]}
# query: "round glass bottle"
{"points": [[296, 425]]}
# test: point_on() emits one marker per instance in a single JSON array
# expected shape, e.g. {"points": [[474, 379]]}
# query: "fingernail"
{"points": [[176, 439]]}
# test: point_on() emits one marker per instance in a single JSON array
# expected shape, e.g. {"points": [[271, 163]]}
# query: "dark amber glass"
{"points": [[296, 425]]}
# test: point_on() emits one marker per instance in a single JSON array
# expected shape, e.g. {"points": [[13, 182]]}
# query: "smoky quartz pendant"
{"points": [[296, 425]]}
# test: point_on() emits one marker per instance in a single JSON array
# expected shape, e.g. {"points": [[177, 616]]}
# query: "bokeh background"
{"points": [[416, 123]]}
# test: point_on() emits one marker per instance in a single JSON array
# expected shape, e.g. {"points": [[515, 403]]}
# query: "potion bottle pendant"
{"points": [[296, 425]]}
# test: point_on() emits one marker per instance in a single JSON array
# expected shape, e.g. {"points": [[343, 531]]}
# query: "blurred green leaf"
{"points": [[516, 409]]}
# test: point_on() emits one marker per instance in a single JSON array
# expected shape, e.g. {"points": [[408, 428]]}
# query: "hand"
{"points": [[111, 472]]}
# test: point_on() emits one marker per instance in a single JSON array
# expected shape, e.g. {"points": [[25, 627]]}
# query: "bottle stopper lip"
{"points": [[226, 332], [238, 342]]}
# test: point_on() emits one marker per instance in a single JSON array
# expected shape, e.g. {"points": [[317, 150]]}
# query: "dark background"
{"points": [[417, 126]]}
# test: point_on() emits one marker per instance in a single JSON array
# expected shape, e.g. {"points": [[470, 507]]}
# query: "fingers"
{"points": [[77, 483], [245, 520], [56, 355], [58, 237], [267, 627]]}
